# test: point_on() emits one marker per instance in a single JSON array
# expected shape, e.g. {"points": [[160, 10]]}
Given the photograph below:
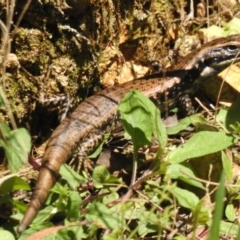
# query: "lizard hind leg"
{"points": [[80, 158]]}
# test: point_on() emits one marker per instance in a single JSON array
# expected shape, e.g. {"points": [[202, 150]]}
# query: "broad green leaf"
{"points": [[74, 201], [6, 235], [13, 184], [231, 27], [110, 197], [16, 145], [72, 178], [20, 206], [59, 189], [217, 216], [136, 118], [160, 131], [44, 215], [185, 198], [101, 175], [141, 119], [181, 172], [148, 223], [201, 214], [229, 228], [221, 116], [230, 212], [184, 123], [104, 217], [202, 143]]}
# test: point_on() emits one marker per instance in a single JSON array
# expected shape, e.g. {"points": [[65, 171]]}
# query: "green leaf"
{"points": [[136, 118], [230, 212], [181, 172], [75, 232], [103, 216], [110, 197], [141, 119], [229, 228], [201, 214], [233, 114], [72, 178], [184, 123], [100, 174], [13, 184], [6, 235], [231, 27], [160, 131], [202, 143], [34, 228], [73, 205], [185, 198], [227, 166], [20, 206], [238, 234], [217, 216], [44, 215], [98, 150], [221, 116], [16, 144]]}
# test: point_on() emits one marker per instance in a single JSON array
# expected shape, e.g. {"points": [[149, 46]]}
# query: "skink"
{"points": [[93, 117]]}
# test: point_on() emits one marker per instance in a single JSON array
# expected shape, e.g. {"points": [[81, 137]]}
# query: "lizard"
{"points": [[88, 123]]}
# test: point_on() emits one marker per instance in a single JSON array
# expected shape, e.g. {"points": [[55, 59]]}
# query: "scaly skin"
{"points": [[98, 111]]}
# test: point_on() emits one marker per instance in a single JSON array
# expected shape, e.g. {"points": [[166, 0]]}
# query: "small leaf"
{"points": [[75, 232], [202, 143], [100, 175], [20, 206], [73, 205], [16, 144], [13, 184], [185, 198], [184, 123], [72, 178], [227, 166], [44, 215], [104, 217], [230, 212], [98, 150], [6, 235], [221, 116], [201, 214], [229, 228], [181, 172]]}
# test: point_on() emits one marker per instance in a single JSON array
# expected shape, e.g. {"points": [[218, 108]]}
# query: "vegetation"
{"points": [[184, 179]]}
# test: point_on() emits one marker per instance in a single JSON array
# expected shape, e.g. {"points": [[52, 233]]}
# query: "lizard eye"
{"points": [[232, 48]]}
